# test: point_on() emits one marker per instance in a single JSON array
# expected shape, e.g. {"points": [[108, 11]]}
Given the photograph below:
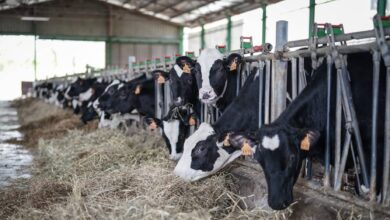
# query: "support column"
{"points": [[312, 7], [35, 49], [381, 7], [181, 39], [202, 40], [109, 38], [264, 24], [229, 33]]}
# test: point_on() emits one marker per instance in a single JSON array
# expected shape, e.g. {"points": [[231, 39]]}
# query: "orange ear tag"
{"points": [[246, 149], [137, 90], [186, 69], [160, 79], [233, 66], [226, 142], [191, 121], [305, 143], [153, 126]]}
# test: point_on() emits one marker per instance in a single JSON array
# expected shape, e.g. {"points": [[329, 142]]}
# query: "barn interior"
{"points": [[55, 166]]}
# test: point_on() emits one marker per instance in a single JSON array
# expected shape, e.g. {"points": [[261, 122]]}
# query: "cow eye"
{"points": [[111, 91]]}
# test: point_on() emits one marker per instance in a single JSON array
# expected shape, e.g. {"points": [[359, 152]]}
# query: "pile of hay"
{"points": [[106, 174], [42, 120], [82, 173]]}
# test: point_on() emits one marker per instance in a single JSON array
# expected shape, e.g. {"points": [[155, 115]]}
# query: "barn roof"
{"points": [[188, 13]]}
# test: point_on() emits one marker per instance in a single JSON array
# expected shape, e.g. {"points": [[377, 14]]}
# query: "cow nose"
{"points": [[205, 96]]}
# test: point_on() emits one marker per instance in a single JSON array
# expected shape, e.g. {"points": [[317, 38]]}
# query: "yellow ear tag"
{"points": [[246, 149], [153, 126], [160, 79], [191, 121], [226, 142], [186, 69], [305, 143], [233, 66], [137, 90]]}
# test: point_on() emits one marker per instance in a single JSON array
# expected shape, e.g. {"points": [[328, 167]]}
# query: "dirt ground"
{"points": [[80, 172]]}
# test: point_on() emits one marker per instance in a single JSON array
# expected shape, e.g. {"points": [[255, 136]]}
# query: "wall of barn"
{"points": [[130, 33], [216, 36]]}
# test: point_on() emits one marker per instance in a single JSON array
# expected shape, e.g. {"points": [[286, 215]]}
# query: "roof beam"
{"points": [[168, 6], [193, 8], [146, 4]]}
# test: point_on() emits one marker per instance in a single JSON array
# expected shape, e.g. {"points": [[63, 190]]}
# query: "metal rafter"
{"points": [[144, 5], [168, 6], [193, 8]]}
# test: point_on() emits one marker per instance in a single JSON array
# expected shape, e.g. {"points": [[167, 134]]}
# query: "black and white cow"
{"points": [[216, 77], [79, 91], [300, 130], [204, 153], [89, 113]]}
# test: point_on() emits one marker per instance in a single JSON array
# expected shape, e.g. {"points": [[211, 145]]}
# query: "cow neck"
{"points": [[308, 110], [229, 92], [242, 113]]}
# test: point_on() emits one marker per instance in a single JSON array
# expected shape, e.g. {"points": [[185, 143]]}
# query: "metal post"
{"points": [[375, 92], [280, 77], [337, 182], [312, 7], [267, 91], [158, 100], [261, 87], [229, 33], [327, 140], [238, 79], [302, 75], [381, 7], [294, 82], [109, 40], [386, 165], [35, 57], [167, 97], [181, 39], [202, 40], [264, 24]]}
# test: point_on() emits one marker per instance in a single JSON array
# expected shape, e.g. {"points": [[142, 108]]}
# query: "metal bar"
{"points": [[167, 97], [267, 91], [338, 133], [158, 100], [202, 35], [294, 79], [386, 162], [302, 75], [327, 129], [312, 7], [347, 143], [347, 97], [280, 76], [381, 7], [181, 39], [192, 8], [375, 93], [238, 79], [338, 38], [261, 91], [264, 24], [229, 33]]}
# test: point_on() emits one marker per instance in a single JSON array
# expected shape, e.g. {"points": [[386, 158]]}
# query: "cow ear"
{"points": [[138, 89], [240, 141], [233, 60], [308, 138], [160, 76], [152, 123]]}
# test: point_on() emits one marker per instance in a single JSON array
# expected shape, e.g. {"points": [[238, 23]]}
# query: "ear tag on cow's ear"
{"points": [[226, 142], [137, 90], [152, 126], [160, 79], [233, 66], [246, 149], [186, 69], [191, 121], [305, 143]]}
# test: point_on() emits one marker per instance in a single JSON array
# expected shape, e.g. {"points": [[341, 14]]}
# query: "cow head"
{"points": [[104, 101], [205, 153], [76, 87], [89, 114], [279, 150], [175, 128], [212, 72], [183, 82]]}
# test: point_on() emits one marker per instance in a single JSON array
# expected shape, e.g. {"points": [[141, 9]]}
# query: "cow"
{"points": [[79, 91], [216, 77], [299, 132], [203, 152], [89, 113]]}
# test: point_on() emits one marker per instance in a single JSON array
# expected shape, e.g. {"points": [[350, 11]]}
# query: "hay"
{"points": [[106, 174]]}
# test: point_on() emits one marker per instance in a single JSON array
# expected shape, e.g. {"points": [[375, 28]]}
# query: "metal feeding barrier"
{"points": [[327, 43]]}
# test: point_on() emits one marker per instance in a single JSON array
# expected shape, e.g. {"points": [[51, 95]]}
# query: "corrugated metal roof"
{"points": [[189, 13]]}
